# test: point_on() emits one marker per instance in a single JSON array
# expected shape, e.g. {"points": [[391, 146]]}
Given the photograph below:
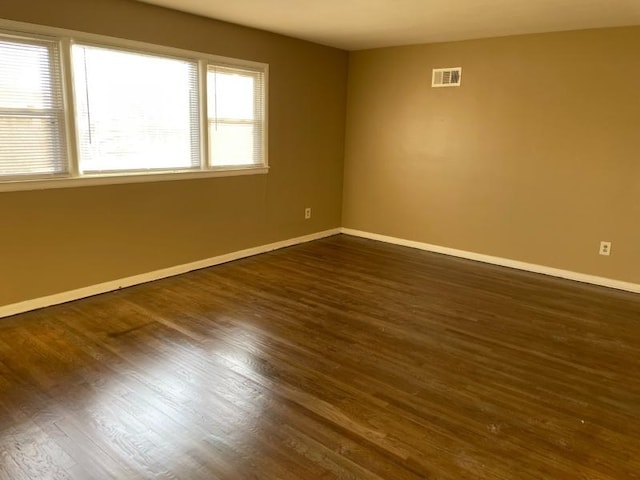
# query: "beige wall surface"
{"points": [[536, 157], [52, 241]]}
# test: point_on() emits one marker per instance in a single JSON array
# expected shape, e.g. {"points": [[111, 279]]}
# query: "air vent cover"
{"points": [[446, 77]]}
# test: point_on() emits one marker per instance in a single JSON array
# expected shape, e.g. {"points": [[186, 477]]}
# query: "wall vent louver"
{"points": [[446, 77]]}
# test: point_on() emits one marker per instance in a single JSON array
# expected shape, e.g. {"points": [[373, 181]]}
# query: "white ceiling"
{"points": [[360, 24]]}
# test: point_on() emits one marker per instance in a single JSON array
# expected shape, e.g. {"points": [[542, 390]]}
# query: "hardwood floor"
{"points": [[342, 358]]}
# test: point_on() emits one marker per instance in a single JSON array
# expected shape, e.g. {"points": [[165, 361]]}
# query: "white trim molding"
{"points": [[63, 297], [119, 179], [503, 262]]}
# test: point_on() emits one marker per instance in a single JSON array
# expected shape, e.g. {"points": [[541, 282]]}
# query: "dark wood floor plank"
{"points": [[341, 358]]}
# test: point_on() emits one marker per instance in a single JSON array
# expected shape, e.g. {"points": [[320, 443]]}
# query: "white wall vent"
{"points": [[446, 77]]}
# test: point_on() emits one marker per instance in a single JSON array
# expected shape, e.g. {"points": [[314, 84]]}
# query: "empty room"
{"points": [[380, 240]]}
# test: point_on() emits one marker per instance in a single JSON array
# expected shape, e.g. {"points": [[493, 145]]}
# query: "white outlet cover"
{"points": [[605, 248]]}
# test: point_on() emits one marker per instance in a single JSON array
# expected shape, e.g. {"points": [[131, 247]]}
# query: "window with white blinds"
{"points": [[135, 112], [75, 108], [236, 115], [32, 138]]}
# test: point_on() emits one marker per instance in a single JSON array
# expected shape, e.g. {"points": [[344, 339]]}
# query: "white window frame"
{"points": [[66, 38], [58, 113], [260, 122]]}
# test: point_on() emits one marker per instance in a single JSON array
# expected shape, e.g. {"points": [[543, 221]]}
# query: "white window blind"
{"points": [[135, 111], [32, 138], [236, 114]]}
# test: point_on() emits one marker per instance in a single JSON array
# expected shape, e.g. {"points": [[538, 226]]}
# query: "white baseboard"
{"points": [[79, 293], [63, 297], [504, 262]]}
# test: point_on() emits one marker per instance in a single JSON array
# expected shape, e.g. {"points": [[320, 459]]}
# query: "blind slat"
{"points": [[32, 139], [236, 115]]}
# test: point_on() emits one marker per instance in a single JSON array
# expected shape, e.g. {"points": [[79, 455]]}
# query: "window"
{"points": [[135, 112], [236, 115], [80, 108], [32, 139]]}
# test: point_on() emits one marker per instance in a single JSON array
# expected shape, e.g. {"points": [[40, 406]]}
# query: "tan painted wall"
{"points": [[57, 240], [536, 157]]}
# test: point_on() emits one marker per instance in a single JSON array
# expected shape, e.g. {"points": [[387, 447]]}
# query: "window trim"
{"points": [[65, 39], [201, 165], [60, 113], [257, 122]]}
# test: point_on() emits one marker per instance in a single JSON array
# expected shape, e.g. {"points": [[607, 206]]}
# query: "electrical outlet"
{"points": [[307, 213], [605, 248]]}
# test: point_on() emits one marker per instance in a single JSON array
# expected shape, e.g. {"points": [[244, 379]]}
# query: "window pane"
{"points": [[25, 77], [233, 95], [236, 115], [135, 111], [28, 145], [31, 112], [232, 144]]}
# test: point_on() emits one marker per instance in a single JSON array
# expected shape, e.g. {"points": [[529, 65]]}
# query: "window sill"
{"points": [[117, 179]]}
